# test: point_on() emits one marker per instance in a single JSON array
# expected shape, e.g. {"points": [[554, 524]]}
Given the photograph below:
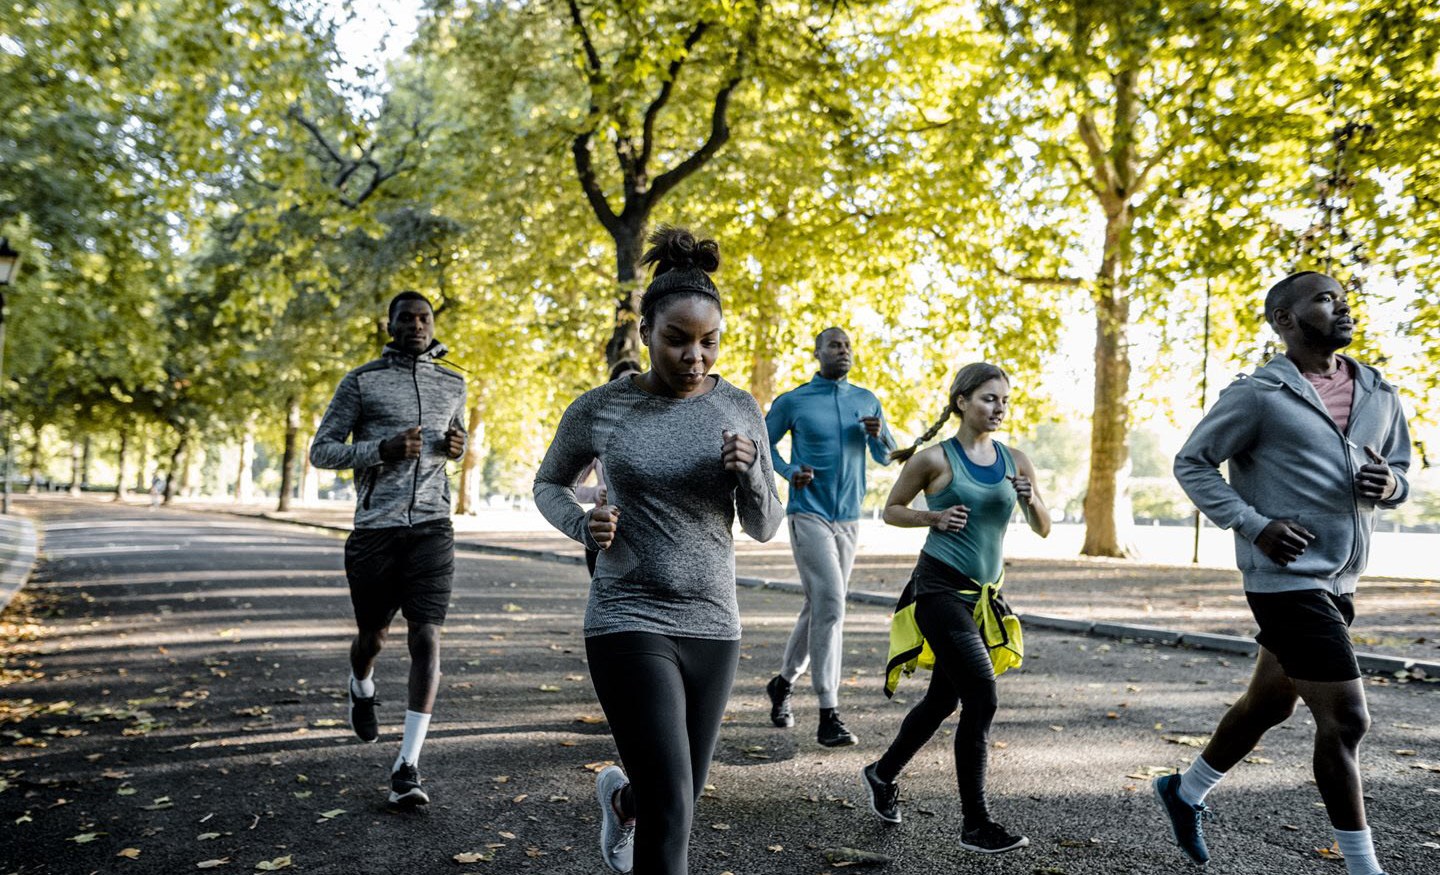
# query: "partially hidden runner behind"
{"points": [[597, 493], [403, 415], [1315, 442], [972, 483], [831, 423], [685, 454]]}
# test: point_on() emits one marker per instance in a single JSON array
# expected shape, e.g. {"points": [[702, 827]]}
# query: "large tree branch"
{"points": [[1100, 173], [652, 112], [585, 172], [592, 57], [719, 124]]}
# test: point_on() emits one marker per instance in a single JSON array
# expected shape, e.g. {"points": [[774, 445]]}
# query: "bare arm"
{"points": [[1028, 494], [923, 469]]}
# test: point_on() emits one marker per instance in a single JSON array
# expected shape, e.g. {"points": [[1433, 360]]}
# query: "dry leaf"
{"points": [[129, 853], [207, 836], [473, 857], [85, 838], [1259, 761], [211, 864], [521, 798], [548, 688], [507, 835], [853, 857], [1331, 853], [1188, 740], [275, 864], [591, 719]]}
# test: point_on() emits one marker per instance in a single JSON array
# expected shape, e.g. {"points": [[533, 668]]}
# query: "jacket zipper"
{"points": [[420, 410], [1346, 447]]}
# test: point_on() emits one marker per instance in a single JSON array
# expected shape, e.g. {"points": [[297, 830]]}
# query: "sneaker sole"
{"points": [[1024, 842], [870, 792], [410, 798], [785, 722], [842, 742]]}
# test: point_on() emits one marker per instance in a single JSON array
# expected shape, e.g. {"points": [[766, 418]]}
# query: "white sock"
{"points": [[364, 687], [416, 725], [1197, 781], [1359, 851]]}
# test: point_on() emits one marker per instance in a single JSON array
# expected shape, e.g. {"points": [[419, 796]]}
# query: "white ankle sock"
{"points": [[416, 725], [1359, 850], [364, 687], [1197, 781]]}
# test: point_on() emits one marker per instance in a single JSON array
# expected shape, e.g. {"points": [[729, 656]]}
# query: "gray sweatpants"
{"points": [[824, 552]]}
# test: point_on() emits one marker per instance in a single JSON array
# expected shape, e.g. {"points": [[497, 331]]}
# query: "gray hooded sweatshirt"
{"points": [[377, 401], [1288, 460]]}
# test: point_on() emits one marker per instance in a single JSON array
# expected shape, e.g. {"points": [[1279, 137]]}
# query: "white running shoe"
{"points": [[617, 837]]}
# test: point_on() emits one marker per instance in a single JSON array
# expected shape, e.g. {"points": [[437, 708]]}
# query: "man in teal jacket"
{"points": [[1315, 442], [831, 424]]}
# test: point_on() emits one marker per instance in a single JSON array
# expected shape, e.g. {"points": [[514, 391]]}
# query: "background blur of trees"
{"points": [[213, 209]]}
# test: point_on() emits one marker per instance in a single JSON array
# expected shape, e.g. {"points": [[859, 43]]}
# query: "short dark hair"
{"points": [[1283, 294], [407, 295], [624, 366], [820, 338]]}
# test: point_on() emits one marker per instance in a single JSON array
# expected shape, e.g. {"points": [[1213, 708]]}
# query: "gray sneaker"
{"points": [[617, 837]]}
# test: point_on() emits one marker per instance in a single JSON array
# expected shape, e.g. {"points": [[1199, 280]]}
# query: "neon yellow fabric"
{"points": [[998, 625]]}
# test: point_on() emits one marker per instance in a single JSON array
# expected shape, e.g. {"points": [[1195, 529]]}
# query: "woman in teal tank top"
{"points": [[972, 484]]}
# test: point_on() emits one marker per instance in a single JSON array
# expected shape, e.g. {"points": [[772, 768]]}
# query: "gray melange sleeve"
{"points": [[569, 453], [329, 449], [756, 501]]}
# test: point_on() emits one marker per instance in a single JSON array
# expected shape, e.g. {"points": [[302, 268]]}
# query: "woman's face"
{"points": [[683, 340], [984, 410]]}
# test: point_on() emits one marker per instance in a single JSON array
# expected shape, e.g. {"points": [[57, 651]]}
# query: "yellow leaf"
{"points": [[275, 864], [1331, 853], [129, 853], [473, 857], [211, 864]]}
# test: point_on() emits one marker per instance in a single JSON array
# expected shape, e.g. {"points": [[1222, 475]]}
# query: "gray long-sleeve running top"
{"points": [[671, 568]]}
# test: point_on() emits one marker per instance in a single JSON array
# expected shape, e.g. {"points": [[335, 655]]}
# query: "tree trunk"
{"points": [[287, 461], [470, 465], [762, 364], [35, 459], [121, 472], [1107, 519], [625, 339], [172, 478], [77, 466], [244, 483], [309, 476]]}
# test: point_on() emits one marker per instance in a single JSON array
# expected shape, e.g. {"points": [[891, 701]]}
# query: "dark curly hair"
{"points": [[682, 266]]}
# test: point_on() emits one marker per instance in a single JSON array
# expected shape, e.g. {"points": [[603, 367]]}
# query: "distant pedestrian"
{"points": [[950, 611], [831, 423], [1315, 442], [685, 453], [404, 416], [157, 490], [596, 493]]}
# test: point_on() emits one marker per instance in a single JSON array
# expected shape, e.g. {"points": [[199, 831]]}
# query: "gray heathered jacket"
{"points": [[1288, 460], [375, 402], [671, 568]]}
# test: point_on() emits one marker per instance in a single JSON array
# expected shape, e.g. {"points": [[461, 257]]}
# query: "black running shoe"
{"points": [[832, 731], [362, 716], [405, 789], [991, 838], [1185, 819], [884, 798], [779, 691]]}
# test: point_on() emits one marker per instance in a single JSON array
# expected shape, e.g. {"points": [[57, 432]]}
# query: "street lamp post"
{"points": [[9, 264]]}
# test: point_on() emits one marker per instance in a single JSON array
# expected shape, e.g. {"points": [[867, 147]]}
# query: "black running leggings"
{"points": [[962, 675], [664, 697]]}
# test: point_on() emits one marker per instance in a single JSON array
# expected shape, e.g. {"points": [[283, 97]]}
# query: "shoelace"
{"points": [[627, 835]]}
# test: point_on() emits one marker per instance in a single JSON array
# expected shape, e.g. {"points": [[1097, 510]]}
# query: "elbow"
{"points": [[891, 515]]}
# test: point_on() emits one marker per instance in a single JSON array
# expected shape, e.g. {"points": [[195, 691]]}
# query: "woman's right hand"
{"points": [[951, 519], [602, 523]]}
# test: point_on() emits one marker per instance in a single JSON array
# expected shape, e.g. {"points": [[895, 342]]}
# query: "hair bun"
{"points": [[673, 248]]}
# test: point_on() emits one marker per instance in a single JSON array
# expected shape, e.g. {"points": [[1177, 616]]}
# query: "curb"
{"points": [[1369, 662], [15, 569]]}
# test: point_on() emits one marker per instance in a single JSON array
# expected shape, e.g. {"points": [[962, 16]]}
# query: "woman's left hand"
{"points": [[1023, 490], [738, 452]]}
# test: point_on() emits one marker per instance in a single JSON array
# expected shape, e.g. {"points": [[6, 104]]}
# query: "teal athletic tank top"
{"points": [[976, 550]]}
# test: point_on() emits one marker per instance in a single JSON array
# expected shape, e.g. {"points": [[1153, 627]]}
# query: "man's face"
{"points": [[1321, 316], [833, 353], [413, 326]]}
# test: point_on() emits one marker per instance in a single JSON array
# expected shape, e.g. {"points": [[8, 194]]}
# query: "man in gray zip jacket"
{"points": [[1315, 442], [404, 414]]}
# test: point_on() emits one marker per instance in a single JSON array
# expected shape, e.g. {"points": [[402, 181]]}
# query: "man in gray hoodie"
{"points": [[404, 415], [1315, 442]]}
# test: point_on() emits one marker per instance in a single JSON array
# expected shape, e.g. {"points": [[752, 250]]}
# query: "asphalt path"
{"points": [[172, 694]]}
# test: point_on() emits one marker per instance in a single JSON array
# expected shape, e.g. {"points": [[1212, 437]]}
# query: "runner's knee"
{"points": [[1346, 725]]}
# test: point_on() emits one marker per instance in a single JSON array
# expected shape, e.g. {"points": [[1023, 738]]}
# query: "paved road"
{"points": [[178, 690]]}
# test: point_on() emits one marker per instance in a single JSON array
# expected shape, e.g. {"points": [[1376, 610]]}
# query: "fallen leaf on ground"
{"points": [[272, 865], [129, 853], [1188, 740], [591, 719], [1259, 761], [853, 857], [211, 864], [331, 814], [473, 857], [548, 688], [507, 835], [85, 838], [1146, 772], [207, 836], [1331, 853]]}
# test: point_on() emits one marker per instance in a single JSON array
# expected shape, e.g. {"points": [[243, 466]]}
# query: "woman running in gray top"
{"points": [[684, 453]]}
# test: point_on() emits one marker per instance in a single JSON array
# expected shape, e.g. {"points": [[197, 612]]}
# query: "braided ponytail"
{"points": [[967, 380]]}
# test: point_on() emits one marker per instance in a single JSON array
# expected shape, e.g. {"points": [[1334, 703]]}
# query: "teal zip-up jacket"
{"points": [[823, 420], [1288, 460]]}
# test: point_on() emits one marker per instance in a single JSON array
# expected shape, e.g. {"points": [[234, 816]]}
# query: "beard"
{"points": [[1329, 339]]}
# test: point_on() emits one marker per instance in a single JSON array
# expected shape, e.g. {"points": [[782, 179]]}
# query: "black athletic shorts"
{"points": [[1308, 630], [400, 569]]}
